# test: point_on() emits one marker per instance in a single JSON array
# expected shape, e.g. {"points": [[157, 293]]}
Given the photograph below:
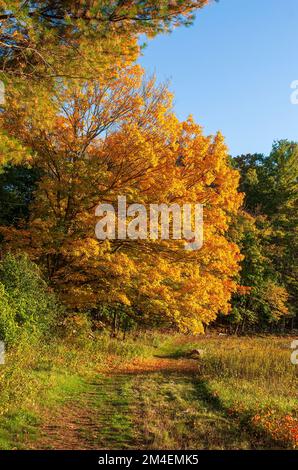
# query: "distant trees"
{"points": [[266, 231]]}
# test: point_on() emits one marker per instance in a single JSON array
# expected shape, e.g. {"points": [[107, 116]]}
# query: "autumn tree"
{"points": [[121, 137]]}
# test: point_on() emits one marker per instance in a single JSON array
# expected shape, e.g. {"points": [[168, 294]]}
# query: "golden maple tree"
{"points": [[121, 137]]}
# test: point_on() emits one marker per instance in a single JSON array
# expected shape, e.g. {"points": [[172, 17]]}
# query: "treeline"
{"points": [[266, 231]]}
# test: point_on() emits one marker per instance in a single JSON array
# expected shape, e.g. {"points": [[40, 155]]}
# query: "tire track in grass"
{"points": [[150, 404], [99, 418]]}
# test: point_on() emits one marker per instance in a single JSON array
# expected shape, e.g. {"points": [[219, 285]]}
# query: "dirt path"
{"points": [[157, 403]]}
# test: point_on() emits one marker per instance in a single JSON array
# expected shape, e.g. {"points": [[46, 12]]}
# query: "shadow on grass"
{"points": [[259, 439]]}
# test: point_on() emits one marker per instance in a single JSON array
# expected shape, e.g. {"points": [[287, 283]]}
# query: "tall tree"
{"points": [[121, 137]]}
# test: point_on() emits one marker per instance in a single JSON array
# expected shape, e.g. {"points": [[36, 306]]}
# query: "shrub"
{"points": [[26, 302], [8, 326]]}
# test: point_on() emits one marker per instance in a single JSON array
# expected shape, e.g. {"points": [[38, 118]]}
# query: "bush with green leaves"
{"points": [[26, 301]]}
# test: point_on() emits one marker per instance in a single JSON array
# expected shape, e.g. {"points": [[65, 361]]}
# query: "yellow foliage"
{"points": [[121, 137]]}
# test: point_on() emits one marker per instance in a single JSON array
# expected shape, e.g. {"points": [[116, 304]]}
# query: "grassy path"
{"points": [[147, 393], [158, 403]]}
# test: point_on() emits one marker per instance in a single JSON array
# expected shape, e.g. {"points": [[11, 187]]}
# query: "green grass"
{"points": [[42, 375], [114, 412], [21, 424], [213, 408], [243, 377], [177, 414]]}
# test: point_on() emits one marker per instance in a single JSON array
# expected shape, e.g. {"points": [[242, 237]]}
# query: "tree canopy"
{"points": [[81, 38]]}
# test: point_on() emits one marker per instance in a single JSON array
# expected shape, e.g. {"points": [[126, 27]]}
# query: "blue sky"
{"points": [[232, 70]]}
